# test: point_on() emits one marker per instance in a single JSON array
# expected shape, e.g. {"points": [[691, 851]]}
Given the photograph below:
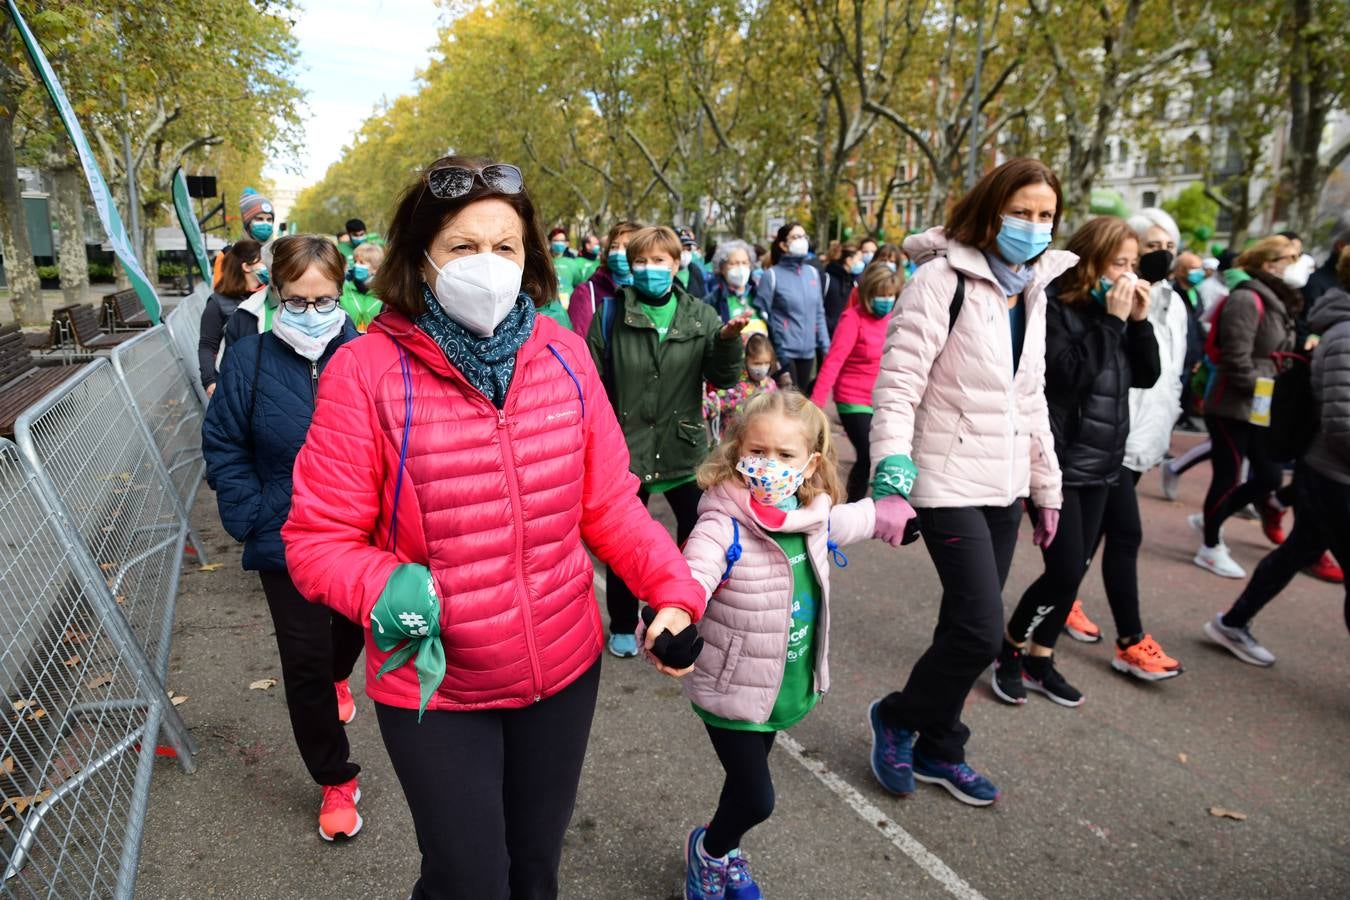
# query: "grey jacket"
{"points": [[1254, 323], [1329, 454]]}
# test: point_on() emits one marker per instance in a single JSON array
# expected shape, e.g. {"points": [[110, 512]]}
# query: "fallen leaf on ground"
{"points": [[263, 684], [20, 705], [178, 700], [1222, 813], [1183, 757], [74, 637], [98, 682], [7, 766], [108, 567], [209, 567], [73, 661]]}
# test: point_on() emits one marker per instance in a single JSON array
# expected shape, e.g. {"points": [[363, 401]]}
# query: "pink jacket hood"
{"points": [[978, 433], [746, 624]]}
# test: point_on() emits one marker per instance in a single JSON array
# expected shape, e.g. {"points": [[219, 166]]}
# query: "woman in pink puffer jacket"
{"points": [[961, 431]]}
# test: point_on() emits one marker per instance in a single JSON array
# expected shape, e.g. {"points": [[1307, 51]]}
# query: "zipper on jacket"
{"points": [[513, 486], [314, 381]]}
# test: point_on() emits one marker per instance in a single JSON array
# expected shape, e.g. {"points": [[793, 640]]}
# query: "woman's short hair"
{"points": [[420, 216], [879, 281], [976, 218], [1095, 244], [232, 280], [1150, 217], [1266, 250], [656, 238], [294, 255], [726, 248]]}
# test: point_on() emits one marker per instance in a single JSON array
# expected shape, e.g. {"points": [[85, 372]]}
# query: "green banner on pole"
{"points": [[192, 232], [103, 198]]}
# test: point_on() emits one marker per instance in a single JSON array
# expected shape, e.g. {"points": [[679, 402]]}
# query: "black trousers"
{"points": [[1041, 613], [803, 372], [491, 792], [619, 599], [858, 427], [972, 550], [1234, 442], [1123, 533], [1321, 523], [317, 647], [747, 791]]}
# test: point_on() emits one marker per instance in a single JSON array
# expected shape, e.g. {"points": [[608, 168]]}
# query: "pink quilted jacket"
{"points": [[501, 506], [745, 627], [979, 435], [851, 367]]}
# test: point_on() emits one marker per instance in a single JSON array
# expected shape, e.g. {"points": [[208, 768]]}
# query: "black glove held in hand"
{"points": [[675, 650]]}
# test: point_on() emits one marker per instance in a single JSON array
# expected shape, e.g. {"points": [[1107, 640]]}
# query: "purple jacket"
{"points": [[587, 298]]}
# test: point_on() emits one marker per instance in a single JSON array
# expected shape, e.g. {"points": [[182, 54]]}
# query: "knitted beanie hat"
{"points": [[253, 204]]}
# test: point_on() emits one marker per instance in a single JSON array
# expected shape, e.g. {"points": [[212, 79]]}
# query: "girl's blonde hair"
{"points": [[791, 404]]}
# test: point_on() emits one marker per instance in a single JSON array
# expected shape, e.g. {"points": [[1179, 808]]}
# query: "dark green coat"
{"points": [[657, 386]]}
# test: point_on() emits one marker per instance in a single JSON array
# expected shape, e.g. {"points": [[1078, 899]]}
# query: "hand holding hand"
{"points": [[672, 623], [1047, 524], [897, 523]]}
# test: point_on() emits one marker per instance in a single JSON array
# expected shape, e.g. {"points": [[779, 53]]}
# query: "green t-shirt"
{"points": [[797, 694], [360, 306], [660, 316], [570, 275]]}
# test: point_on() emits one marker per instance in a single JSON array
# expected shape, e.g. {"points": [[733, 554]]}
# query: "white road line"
{"points": [[869, 813]]}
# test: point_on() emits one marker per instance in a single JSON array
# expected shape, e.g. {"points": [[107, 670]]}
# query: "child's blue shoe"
{"points": [[740, 883], [623, 645], [892, 754], [963, 782], [704, 879]]}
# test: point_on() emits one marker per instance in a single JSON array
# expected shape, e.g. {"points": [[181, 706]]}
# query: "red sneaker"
{"points": [[346, 705], [1327, 569], [338, 816], [1080, 627], [1272, 523]]}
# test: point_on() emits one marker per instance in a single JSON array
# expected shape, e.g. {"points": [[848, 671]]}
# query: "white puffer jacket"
{"points": [[1153, 411], [978, 433]]}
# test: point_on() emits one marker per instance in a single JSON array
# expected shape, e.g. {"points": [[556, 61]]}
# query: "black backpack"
{"points": [[1294, 417]]}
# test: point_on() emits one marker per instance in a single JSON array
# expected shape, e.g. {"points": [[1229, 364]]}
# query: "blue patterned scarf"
{"points": [[488, 363]]}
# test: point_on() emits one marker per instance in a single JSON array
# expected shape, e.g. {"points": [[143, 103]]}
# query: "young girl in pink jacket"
{"points": [[769, 522]]}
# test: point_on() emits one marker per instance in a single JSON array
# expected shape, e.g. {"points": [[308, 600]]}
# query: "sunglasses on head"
{"points": [[450, 182]]}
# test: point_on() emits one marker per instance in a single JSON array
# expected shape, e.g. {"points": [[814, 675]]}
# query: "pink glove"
{"points": [[897, 523], [1047, 523]]}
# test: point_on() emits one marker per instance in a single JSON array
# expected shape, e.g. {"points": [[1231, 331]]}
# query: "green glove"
{"points": [[406, 622], [895, 475]]}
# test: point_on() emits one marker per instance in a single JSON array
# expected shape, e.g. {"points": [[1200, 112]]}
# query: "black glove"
{"points": [[675, 650]]}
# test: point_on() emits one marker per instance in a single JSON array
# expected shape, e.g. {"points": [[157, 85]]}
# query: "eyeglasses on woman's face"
{"points": [[449, 182], [300, 305]]}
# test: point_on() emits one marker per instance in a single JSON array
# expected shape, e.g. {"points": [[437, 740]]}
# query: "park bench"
{"points": [[83, 324], [22, 381], [124, 311]]}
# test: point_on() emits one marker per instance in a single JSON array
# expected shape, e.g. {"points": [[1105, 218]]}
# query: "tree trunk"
{"points": [[25, 291], [820, 196], [66, 202]]}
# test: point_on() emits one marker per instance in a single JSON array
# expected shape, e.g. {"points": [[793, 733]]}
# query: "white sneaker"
{"points": [[1219, 561], [1171, 481], [1238, 641]]}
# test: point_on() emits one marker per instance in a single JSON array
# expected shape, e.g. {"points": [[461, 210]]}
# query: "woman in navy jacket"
{"points": [[254, 428]]}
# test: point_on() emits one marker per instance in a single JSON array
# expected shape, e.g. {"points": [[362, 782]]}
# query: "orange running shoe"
{"points": [[1272, 523], [1327, 569], [1080, 627], [338, 816], [346, 705], [1146, 661]]}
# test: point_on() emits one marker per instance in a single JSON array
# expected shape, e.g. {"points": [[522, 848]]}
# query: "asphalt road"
{"points": [[1111, 799]]}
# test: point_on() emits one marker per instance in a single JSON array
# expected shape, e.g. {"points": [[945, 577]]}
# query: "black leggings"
{"points": [[1045, 606], [1235, 441], [858, 427], [317, 647], [803, 373], [972, 550], [619, 599], [491, 791], [1321, 522], [1123, 533], [747, 790]]}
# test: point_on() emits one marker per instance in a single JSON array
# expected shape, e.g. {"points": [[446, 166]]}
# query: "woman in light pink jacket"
{"points": [[961, 431]]}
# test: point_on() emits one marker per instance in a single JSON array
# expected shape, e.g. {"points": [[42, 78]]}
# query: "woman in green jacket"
{"points": [[655, 346]]}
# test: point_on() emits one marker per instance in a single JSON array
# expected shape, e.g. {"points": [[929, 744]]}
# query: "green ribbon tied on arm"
{"points": [[895, 475], [406, 623]]}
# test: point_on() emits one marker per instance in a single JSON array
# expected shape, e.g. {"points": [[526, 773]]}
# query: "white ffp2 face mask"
{"points": [[477, 291]]}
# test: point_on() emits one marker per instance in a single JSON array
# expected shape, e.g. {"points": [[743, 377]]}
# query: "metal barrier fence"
{"points": [[84, 705], [157, 384], [185, 325]]}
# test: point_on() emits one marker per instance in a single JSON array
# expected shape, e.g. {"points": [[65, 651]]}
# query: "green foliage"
{"points": [[1196, 214], [49, 273], [172, 269], [101, 272]]}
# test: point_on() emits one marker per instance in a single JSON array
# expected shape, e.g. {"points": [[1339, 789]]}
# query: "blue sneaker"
{"points": [[704, 879], [963, 782], [892, 754], [623, 645], [740, 884]]}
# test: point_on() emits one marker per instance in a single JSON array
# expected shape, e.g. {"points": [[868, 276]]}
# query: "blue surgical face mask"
{"points": [[867, 258], [1195, 276], [1020, 240], [357, 241], [910, 267], [882, 306], [617, 263], [652, 282], [263, 276], [311, 322], [558, 247], [1099, 292], [260, 231], [892, 266], [360, 272], [857, 267]]}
